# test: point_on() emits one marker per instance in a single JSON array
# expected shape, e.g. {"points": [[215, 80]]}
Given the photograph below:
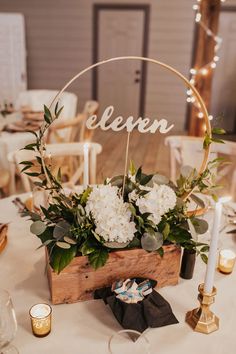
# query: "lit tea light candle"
{"points": [[40, 315], [226, 261]]}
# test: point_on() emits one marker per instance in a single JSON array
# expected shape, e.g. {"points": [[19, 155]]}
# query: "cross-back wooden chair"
{"points": [[56, 154], [76, 126], [187, 150]]}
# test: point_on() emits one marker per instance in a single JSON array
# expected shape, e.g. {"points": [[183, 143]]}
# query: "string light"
{"points": [[204, 70], [200, 115]]}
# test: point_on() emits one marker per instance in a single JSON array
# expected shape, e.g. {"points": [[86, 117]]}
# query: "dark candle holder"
{"points": [[188, 264]]}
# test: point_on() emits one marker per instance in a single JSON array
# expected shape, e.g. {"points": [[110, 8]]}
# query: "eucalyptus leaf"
{"points": [[188, 171], [200, 225], [204, 258], [46, 243], [69, 240], [160, 179], [151, 242], [61, 229], [38, 227], [63, 245], [117, 181], [205, 248], [116, 244], [197, 200]]}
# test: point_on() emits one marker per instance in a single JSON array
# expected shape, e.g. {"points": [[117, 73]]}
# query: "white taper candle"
{"points": [[86, 165], [212, 258]]}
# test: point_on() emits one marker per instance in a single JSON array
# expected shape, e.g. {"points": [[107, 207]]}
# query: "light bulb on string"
{"points": [[193, 71], [204, 71], [189, 92], [216, 58], [198, 17], [213, 65], [210, 117], [200, 115]]}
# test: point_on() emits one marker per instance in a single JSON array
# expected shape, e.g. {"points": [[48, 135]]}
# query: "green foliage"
{"points": [[67, 231], [60, 257], [98, 258]]}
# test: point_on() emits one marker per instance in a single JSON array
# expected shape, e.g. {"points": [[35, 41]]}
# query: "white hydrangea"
{"points": [[111, 214], [158, 201]]}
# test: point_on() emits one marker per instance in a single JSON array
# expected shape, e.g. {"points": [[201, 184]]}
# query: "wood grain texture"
{"points": [[203, 54], [146, 150], [78, 281]]}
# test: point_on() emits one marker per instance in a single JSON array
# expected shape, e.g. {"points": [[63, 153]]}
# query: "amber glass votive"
{"points": [[226, 261], [40, 315]]}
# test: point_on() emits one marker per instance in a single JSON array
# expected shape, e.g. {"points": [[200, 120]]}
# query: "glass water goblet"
{"points": [[128, 341], [8, 324]]}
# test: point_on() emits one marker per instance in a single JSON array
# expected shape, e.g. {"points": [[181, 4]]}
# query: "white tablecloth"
{"points": [[86, 327]]}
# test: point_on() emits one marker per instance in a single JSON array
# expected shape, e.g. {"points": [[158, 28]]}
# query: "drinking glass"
{"points": [[128, 341], [8, 324]]}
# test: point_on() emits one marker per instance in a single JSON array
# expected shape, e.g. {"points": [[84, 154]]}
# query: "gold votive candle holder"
{"points": [[226, 261], [41, 318]]}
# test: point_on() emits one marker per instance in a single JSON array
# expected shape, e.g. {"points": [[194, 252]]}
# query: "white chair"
{"points": [[187, 150], [77, 125], [35, 99], [60, 152]]}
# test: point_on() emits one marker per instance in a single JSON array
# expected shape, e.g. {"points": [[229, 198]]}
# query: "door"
{"points": [[121, 31], [224, 82], [12, 56]]}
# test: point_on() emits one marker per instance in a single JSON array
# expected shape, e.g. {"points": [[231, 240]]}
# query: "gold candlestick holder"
{"points": [[202, 319]]}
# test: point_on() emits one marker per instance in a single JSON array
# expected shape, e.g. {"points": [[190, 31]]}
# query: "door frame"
{"points": [[97, 8], [230, 9], [224, 8]]}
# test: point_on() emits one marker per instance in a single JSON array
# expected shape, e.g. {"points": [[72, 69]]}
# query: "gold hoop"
{"points": [[168, 67]]}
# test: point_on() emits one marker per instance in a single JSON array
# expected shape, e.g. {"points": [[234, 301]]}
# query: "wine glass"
{"points": [[128, 341], [8, 324]]}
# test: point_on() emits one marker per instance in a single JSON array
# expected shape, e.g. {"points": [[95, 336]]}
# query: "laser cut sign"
{"points": [[144, 125]]}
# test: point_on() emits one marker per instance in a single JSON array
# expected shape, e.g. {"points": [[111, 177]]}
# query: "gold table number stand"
{"points": [[202, 319]]}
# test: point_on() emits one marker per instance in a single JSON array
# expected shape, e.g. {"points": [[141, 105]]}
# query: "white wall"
{"points": [[59, 42]]}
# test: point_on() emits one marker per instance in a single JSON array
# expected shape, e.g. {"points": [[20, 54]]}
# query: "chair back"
{"points": [[35, 99], [77, 126], [187, 150], [67, 156]]}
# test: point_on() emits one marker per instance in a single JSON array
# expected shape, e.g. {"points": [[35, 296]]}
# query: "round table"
{"points": [[85, 327]]}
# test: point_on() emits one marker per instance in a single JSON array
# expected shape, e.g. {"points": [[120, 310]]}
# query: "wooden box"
{"points": [[78, 280]]}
